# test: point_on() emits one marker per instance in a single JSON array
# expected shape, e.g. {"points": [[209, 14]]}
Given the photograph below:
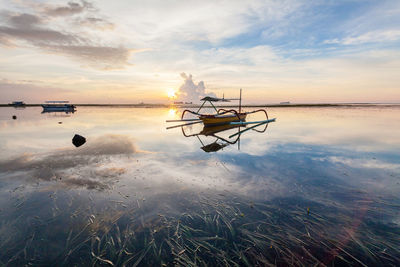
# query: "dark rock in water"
{"points": [[60, 122], [14, 117], [78, 140]]}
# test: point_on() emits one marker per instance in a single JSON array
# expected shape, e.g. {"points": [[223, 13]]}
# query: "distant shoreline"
{"points": [[226, 106]]}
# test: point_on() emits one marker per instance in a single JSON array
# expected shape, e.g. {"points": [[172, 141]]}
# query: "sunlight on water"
{"points": [[172, 112], [318, 186]]}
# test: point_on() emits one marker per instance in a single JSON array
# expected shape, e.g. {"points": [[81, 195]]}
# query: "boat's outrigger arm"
{"points": [[186, 124], [258, 123]]}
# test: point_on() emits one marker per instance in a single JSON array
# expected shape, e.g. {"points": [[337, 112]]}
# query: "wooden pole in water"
{"points": [[240, 101]]}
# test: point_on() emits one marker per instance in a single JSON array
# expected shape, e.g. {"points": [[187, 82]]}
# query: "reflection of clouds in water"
{"points": [[311, 171], [73, 165], [283, 171], [254, 177], [342, 128], [163, 173], [365, 163]]}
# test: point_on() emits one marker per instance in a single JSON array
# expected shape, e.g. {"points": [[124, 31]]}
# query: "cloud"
{"points": [[37, 36], [40, 31], [5, 42], [96, 23], [71, 8], [211, 22], [189, 91], [369, 37], [106, 57], [25, 20]]}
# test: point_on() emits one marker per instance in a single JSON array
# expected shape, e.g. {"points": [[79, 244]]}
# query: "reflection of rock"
{"points": [[78, 140]]}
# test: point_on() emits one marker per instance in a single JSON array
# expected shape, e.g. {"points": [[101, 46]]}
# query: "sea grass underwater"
{"points": [[213, 228]]}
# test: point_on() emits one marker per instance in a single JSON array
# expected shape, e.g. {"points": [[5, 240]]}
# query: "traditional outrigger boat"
{"points": [[222, 116]]}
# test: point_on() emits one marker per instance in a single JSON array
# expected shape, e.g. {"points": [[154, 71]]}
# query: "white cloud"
{"points": [[155, 23], [369, 37], [376, 23], [191, 92]]}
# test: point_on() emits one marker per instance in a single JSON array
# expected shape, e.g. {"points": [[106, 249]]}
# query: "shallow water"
{"points": [[320, 185]]}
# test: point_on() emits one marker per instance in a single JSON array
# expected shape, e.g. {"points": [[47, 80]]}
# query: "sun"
{"points": [[171, 93]]}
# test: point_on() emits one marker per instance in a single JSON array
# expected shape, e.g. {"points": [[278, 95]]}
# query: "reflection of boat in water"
{"points": [[217, 131], [220, 141], [58, 106]]}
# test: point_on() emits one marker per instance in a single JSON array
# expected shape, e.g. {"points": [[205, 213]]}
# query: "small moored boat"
{"points": [[54, 106], [17, 104]]}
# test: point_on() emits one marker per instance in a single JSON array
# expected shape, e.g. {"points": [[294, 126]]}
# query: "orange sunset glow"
{"points": [[171, 93]]}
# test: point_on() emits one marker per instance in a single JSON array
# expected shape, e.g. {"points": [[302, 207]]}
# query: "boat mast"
{"points": [[240, 101]]}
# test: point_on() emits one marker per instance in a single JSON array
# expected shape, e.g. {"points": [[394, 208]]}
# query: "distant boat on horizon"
{"points": [[285, 103], [58, 106], [17, 104]]}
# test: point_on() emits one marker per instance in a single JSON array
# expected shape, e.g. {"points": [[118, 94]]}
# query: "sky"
{"points": [[310, 51]]}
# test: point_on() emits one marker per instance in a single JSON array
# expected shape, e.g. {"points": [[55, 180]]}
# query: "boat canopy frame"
{"points": [[57, 102]]}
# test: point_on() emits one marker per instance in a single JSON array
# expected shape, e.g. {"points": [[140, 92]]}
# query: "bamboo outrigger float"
{"points": [[222, 116]]}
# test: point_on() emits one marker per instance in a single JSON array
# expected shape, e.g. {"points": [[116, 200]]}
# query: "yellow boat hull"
{"points": [[212, 120]]}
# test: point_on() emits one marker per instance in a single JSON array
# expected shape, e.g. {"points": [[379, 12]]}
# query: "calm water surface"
{"points": [[318, 186]]}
